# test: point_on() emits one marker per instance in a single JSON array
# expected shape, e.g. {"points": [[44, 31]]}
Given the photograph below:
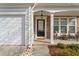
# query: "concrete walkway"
{"points": [[40, 50]]}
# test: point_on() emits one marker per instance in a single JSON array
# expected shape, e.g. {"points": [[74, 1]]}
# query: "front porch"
{"points": [[52, 25], [51, 20]]}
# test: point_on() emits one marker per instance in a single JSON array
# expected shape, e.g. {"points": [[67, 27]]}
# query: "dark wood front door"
{"points": [[40, 27]]}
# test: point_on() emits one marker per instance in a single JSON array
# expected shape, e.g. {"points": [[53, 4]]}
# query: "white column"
{"points": [[52, 28], [30, 32], [32, 21]]}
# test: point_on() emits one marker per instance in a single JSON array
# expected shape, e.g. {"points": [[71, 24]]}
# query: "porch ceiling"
{"points": [[44, 13], [62, 13], [58, 5], [59, 9]]}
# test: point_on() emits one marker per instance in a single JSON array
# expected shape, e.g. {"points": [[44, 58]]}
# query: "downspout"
{"points": [[35, 4]]}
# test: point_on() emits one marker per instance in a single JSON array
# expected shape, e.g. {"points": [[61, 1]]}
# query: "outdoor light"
{"points": [[41, 14]]}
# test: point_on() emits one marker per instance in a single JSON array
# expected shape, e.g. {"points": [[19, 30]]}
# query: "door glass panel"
{"points": [[40, 25]]}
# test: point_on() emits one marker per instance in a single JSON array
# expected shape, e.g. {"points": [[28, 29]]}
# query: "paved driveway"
{"points": [[11, 50]]}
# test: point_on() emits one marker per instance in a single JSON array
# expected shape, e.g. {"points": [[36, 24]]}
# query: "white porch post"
{"points": [[30, 38], [32, 26], [52, 28]]}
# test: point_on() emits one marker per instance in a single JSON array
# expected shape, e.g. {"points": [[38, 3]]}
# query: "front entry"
{"points": [[40, 27]]}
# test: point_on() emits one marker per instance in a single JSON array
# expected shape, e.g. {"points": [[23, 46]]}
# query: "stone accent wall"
{"points": [[48, 26]]}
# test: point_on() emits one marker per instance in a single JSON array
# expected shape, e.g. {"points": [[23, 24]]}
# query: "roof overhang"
{"points": [[15, 5]]}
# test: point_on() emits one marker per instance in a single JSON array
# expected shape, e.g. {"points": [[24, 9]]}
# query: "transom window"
{"points": [[64, 24]]}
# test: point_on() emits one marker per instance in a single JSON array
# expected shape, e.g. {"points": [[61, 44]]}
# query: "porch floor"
{"points": [[47, 41], [41, 41], [66, 41]]}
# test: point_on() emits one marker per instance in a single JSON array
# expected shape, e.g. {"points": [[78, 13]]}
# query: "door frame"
{"points": [[38, 17]]}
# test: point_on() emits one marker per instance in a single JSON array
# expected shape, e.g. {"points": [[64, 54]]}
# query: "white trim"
{"points": [[52, 29], [67, 25], [32, 27], [30, 37], [38, 17]]}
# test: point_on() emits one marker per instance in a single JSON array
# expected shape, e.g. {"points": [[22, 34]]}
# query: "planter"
{"points": [[54, 51], [64, 50]]}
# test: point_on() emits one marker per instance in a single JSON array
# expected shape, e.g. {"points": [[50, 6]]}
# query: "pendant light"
{"points": [[41, 14]]}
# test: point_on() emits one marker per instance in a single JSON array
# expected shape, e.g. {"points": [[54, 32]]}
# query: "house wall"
{"points": [[23, 37], [48, 26], [77, 24]]}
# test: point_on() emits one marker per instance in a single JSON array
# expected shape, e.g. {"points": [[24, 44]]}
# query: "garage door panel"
{"points": [[11, 30]]}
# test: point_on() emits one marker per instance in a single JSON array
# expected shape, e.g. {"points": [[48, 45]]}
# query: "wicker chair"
{"points": [[71, 36]]}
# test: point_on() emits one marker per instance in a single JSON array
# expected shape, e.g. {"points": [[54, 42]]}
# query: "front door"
{"points": [[40, 27]]}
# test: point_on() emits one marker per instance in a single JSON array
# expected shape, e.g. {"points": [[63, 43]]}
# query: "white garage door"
{"points": [[11, 30]]}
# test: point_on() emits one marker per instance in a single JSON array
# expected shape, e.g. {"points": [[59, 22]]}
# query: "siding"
{"points": [[27, 28]]}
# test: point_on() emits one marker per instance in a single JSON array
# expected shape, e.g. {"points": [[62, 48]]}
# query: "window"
{"points": [[63, 24], [63, 29], [72, 29], [56, 29], [56, 24], [72, 25]]}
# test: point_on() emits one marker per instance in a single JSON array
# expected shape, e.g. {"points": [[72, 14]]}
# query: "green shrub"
{"points": [[66, 52], [60, 45], [70, 52], [74, 46]]}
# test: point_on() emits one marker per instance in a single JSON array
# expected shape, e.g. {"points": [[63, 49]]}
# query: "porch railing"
{"points": [[68, 36]]}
